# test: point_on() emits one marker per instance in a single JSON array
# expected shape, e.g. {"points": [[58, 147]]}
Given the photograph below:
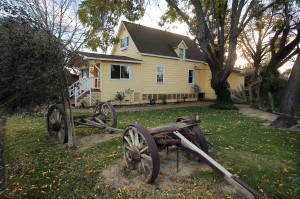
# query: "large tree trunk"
{"points": [[290, 99], [223, 94]]}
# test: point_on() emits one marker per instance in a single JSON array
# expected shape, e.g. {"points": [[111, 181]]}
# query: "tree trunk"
{"points": [[290, 99], [223, 94]]}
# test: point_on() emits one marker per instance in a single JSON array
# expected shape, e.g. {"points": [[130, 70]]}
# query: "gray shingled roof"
{"points": [[108, 57], [158, 42]]}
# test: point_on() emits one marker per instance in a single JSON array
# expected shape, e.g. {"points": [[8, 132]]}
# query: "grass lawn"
{"points": [[262, 157]]}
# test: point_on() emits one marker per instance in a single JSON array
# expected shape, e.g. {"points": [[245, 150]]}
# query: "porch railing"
{"points": [[84, 85]]}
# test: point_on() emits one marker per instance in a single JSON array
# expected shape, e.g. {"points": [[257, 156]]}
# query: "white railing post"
{"points": [[90, 96], [75, 95]]}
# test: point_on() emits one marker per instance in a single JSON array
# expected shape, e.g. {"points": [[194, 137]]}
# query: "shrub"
{"points": [[83, 104], [120, 96], [164, 99], [152, 101]]}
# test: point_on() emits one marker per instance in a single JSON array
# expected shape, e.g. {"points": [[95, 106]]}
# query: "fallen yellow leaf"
{"points": [[285, 170], [89, 171]]}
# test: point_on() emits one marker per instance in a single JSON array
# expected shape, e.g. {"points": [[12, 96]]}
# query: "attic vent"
{"points": [[145, 96]]}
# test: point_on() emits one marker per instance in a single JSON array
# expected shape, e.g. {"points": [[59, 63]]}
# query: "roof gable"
{"points": [[182, 43], [158, 42]]}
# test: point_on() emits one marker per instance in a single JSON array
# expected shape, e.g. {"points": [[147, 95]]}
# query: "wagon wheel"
{"points": [[194, 133], [140, 151], [107, 114], [196, 136], [199, 133], [57, 124]]}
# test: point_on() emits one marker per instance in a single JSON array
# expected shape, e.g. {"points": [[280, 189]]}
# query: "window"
{"points": [[181, 53], [191, 76], [124, 42], [119, 72], [160, 74], [85, 73]]}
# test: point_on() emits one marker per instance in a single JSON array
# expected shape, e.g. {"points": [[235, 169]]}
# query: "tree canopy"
{"points": [[38, 40], [103, 16]]}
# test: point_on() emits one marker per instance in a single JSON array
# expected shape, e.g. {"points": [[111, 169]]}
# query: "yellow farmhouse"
{"points": [[152, 64]]}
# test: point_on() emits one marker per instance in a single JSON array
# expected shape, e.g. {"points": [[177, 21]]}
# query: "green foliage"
{"points": [[120, 96], [275, 84], [296, 180], [164, 98], [152, 101], [31, 65], [223, 101], [223, 106], [83, 104], [103, 16]]}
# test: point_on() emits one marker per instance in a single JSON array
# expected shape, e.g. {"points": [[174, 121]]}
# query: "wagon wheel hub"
{"points": [[133, 155], [56, 126]]}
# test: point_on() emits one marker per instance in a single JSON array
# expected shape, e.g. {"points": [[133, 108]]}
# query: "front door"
{"points": [[97, 76]]}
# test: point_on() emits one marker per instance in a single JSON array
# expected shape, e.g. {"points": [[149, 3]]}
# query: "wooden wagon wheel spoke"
{"points": [[107, 114], [60, 135], [131, 137], [136, 141], [140, 151], [128, 141], [144, 149], [57, 123], [145, 166]]}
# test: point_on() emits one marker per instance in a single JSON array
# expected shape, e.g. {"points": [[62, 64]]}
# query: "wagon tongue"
{"points": [[248, 191]]}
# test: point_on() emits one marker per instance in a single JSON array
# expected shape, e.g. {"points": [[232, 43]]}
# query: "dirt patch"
{"points": [[169, 180], [117, 175], [266, 117], [85, 142]]}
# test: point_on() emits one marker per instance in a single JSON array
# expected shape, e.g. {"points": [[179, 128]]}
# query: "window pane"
{"points": [[85, 73], [160, 74], [191, 76], [115, 72], [124, 42], [125, 72], [181, 53]]}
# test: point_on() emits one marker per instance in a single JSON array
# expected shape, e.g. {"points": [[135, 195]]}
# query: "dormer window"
{"points": [[124, 42], [181, 53]]}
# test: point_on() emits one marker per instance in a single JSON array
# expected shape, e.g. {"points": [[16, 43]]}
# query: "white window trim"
{"points": [[120, 71], [164, 74], [193, 76], [125, 47]]}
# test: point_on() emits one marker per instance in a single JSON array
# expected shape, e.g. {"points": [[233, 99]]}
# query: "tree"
{"points": [[216, 25], [254, 39], [28, 57], [284, 43], [102, 17], [55, 22], [290, 99]]}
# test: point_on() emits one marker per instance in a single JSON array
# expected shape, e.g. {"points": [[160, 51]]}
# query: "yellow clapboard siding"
{"points": [[176, 76], [110, 87], [130, 51], [236, 80]]}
